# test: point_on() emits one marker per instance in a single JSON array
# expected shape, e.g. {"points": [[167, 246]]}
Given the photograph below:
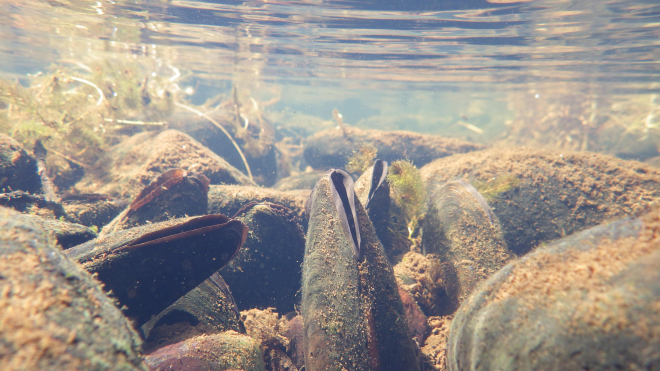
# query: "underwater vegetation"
{"points": [[408, 193], [491, 190], [361, 159], [76, 110]]}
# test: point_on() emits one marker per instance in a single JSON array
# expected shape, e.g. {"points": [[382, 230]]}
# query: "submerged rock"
{"points": [[18, 169], [54, 315], [588, 301], [150, 267], [226, 351], [304, 180], [90, 209], [353, 316], [67, 234], [540, 195], [332, 148], [133, 163]]}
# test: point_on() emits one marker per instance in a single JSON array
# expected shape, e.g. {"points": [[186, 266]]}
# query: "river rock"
{"points": [[551, 194], [135, 162], [54, 315], [18, 169], [266, 271], [585, 302], [332, 148]]}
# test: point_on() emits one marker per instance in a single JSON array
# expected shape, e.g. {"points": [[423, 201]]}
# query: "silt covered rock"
{"points": [[135, 162], [541, 195], [54, 315], [332, 148], [585, 302], [18, 169]]}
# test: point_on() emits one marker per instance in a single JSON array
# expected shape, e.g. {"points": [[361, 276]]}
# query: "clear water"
{"points": [[467, 69]]}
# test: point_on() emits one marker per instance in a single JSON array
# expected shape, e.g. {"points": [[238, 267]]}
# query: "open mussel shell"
{"points": [[54, 314], [174, 194], [207, 309], [585, 302], [462, 231], [373, 191], [353, 316], [151, 266]]}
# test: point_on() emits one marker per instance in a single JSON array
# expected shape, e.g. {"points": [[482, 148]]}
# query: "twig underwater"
{"points": [[217, 124]]}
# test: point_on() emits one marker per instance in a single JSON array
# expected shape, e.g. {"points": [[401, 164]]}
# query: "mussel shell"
{"points": [[151, 266], [335, 332], [207, 309], [353, 315], [462, 231]]}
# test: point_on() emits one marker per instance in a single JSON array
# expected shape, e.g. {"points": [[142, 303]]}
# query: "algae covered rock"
{"points": [[54, 315], [135, 162], [304, 180], [18, 169], [541, 195], [586, 302], [332, 148], [219, 352], [67, 234], [90, 209]]}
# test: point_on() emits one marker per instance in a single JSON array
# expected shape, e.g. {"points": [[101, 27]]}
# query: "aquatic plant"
{"points": [[492, 189], [408, 193], [362, 158], [75, 110]]}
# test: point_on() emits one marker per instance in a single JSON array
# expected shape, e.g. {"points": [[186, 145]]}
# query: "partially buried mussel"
{"points": [[353, 316], [151, 266]]}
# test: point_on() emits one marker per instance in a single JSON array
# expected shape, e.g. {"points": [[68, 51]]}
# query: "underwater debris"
{"points": [[362, 158]]}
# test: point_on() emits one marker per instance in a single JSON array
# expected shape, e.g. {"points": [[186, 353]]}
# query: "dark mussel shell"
{"points": [[207, 309], [353, 315], [174, 194], [149, 267]]}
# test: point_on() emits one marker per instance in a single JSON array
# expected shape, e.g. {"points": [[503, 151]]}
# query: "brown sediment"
{"points": [[435, 346], [558, 193]]}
